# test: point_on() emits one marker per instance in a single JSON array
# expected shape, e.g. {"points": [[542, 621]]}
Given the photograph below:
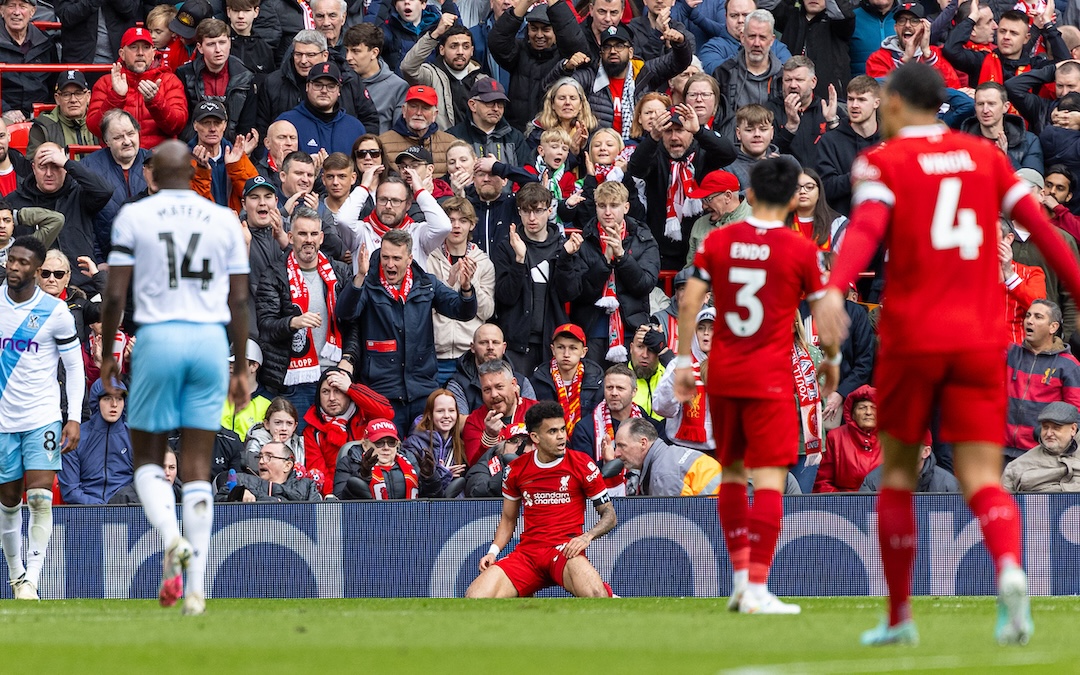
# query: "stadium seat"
{"points": [[19, 135], [41, 108]]}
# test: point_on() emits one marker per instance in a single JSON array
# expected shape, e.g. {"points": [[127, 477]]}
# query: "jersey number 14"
{"points": [[954, 227], [185, 270]]}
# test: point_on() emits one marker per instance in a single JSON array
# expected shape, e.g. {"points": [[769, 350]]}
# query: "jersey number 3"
{"points": [[750, 281], [953, 227], [186, 271]]}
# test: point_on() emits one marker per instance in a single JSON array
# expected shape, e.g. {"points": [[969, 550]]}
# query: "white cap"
{"points": [[254, 352], [706, 314]]}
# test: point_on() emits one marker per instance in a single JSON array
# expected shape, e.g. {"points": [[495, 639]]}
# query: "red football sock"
{"points": [[731, 508], [1000, 523], [764, 530], [897, 538]]}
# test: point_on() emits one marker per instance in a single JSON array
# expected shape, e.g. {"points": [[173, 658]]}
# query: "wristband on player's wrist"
{"points": [[683, 361], [494, 550]]}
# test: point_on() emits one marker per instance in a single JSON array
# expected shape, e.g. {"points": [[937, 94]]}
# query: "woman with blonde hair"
{"points": [[565, 105]]}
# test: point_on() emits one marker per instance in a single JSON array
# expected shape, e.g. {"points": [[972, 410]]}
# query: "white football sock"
{"points": [[198, 523], [11, 539], [740, 577], [158, 501], [40, 502]]}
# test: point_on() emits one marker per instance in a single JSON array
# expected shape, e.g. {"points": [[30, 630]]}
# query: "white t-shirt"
{"points": [[184, 248], [34, 336]]}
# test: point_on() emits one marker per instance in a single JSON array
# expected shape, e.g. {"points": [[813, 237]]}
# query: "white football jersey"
{"points": [[184, 248], [33, 335]]}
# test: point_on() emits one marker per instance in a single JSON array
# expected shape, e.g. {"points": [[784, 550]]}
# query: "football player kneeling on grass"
{"points": [[553, 485]]}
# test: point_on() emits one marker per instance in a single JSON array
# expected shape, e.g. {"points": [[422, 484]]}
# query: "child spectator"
{"points": [[376, 469], [101, 464], [279, 425], [551, 168], [169, 50], [256, 53]]}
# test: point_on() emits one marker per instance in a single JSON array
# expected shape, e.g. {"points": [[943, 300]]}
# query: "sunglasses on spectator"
{"points": [[59, 274], [386, 443], [368, 153]]}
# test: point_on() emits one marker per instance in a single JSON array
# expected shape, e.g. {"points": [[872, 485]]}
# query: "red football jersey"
{"points": [[553, 495], [759, 271], [941, 193]]}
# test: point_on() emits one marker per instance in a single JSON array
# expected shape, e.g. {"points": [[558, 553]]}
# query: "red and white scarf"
{"points": [[692, 424], [304, 357], [380, 229], [609, 301], [603, 428], [806, 390], [309, 17], [398, 294], [673, 332], [679, 204], [380, 473], [569, 394]]}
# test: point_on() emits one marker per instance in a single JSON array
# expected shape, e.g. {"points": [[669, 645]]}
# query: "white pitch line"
{"points": [[882, 665]]}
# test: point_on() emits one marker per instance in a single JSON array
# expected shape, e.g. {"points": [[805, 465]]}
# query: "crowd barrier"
{"points": [[661, 547]]}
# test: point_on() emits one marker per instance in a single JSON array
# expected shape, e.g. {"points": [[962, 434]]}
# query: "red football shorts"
{"points": [[534, 568], [969, 387], [759, 432]]}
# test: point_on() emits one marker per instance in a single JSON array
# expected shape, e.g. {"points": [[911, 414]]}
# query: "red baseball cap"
{"points": [[380, 428], [570, 329], [136, 34], [423, 94], [713, 182]]}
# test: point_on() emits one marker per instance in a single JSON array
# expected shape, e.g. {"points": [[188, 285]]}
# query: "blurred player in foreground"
{"points": [[760, 271], [189, 262], [554, 485], [933, 196]]}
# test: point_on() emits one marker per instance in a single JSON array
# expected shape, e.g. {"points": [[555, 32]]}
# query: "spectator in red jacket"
{"points": [[153, 95], [852, 450], [339, 415], [502, 410], [911, 43]]}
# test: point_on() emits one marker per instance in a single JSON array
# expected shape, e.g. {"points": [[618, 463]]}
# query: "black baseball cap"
{"points": [[71, 77], [257, 182], [915, 8], [188, 17], [616, 33], [416, 152], [209, 109], [538, 14], [324, 71]]}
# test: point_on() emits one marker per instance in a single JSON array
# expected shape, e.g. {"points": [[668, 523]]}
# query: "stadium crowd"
{"points": [[456, 210]]}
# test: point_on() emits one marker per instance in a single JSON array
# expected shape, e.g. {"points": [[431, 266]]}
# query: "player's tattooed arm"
{"points": [[608, 521]]}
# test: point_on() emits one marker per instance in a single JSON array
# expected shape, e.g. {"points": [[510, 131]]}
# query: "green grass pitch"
{"points": [[638, 635]]}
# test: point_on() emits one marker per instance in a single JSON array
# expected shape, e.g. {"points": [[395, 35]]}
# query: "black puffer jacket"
{"points": [[292, 490], [240, 95], [274, 308], [635, 277], [348, 466], [528, 67], [79, 20], [824, 39]]}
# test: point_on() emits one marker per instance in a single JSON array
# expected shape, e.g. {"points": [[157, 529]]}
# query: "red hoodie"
{"points": [[850, 453], [324, 436]]}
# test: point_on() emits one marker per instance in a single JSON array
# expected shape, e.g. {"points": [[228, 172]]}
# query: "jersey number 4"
{"points": [[185, 270], [750, 281], [953, 227]]}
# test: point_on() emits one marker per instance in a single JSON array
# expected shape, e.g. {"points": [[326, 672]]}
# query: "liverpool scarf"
{"points": [[380, 229], [679, 204], [806, 389], [398, 294], [609, 301], [692, 424], [304, 356], [603, 428], [569, 394]]}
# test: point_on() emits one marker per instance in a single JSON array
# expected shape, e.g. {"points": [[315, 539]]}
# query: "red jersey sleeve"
{"points": [[590, 476]]}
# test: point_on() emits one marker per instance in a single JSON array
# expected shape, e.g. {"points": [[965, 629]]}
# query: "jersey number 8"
{"points": [[953, 227], [186, 272]]}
